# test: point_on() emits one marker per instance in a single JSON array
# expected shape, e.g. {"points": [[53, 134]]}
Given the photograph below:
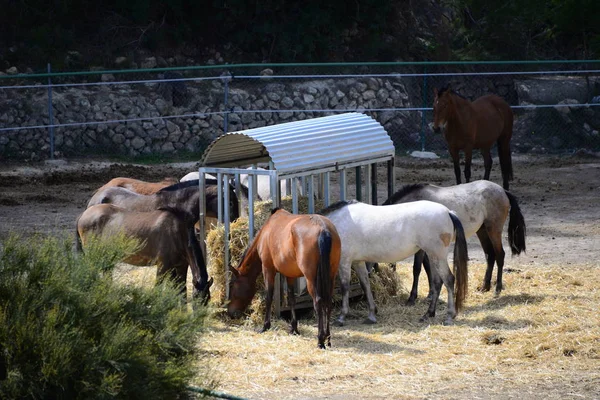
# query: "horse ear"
{"points": [[435, 92]]}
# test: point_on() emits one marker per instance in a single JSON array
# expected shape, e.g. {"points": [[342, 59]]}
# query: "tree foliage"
{"points": [[529, 29], [67, 330], [288, 31]]}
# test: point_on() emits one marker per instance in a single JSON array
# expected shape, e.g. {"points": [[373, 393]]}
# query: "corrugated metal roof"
{"points": [[304, 145]]}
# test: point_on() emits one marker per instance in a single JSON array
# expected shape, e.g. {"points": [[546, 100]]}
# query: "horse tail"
{"points": [[516, 226], [461, 257], [323, 281], [504, 149], [78, 243]]}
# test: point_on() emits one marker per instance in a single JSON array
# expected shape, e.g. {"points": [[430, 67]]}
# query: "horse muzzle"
{"points": [[234, 314]]}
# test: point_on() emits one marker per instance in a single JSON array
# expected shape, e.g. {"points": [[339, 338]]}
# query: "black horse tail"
{"points": [[516, 226], [461, 257], [323, 269]]}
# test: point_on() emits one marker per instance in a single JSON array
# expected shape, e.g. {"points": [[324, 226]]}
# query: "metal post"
{"points": [[368, 193], [391, 177], [424, 96], [50, 115], [238, 193], [226, 235], [343, 184], [326, 191], [311, 194], [294, 195], [374, 184], [201, 221], [226, 102], [251, 206], [274, 183], [358, 183], [220, 197]]}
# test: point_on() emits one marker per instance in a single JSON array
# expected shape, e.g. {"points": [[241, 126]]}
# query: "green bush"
{"points": [[67, 330]]}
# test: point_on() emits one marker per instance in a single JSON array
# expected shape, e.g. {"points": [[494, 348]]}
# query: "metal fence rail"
{"points": [[167, 110]]}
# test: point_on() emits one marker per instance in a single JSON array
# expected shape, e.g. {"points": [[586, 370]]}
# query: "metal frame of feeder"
{"points": [[322, 162]]}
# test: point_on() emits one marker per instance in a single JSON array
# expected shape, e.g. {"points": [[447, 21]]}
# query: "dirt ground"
{"points": [[559, 198]]}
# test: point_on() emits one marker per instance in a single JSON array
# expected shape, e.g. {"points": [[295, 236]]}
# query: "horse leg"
{"points": [[454, 153], [363, 278], [496, 241], [269, 277], [292, 303], [441, 270], [418, 260], [468, 157], [435, 288], [487, 163], [344, 274], [490, 256], [427, 267]]}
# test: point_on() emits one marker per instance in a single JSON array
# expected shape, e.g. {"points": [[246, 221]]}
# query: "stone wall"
{"points": [[153, 111]]}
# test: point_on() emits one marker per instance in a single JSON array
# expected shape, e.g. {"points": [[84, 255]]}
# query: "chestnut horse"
{"points": [[474, 125], [166, 237], [483, 208], [295, 246], [137, 186]]}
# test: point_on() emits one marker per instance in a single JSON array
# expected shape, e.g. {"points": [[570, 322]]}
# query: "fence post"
{"points": [[424, 96], [50, 115], [226, 77]]}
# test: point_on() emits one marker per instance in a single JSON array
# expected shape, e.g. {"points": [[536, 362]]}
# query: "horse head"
{"points": [[241, 292], [441, 107], [202, 291]]}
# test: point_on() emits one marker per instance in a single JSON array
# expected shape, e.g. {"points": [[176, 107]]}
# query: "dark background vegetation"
{"points": [[35, 32]]}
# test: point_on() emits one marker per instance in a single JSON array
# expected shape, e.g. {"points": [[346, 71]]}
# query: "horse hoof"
{"points": [[483, 288], [369, 321], [294, 332], [410, 302], [425, 318], [264, 329], [339, 322], [322, 346], [449, 322]]}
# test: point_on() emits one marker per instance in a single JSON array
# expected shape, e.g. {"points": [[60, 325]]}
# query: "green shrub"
{"points": [[67, 330]]}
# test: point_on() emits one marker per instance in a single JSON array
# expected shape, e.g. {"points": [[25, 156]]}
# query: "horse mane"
{"points": [[403, 191], [447, 88], [179, 214], [186, 184], [336, 206], [274, 210]]}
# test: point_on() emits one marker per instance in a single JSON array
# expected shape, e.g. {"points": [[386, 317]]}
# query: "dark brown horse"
{"points": [[138, 186], [475, 125], [166, 237], [294, 246]]}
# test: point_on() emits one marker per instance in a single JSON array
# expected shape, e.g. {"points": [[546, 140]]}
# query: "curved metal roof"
{"points": [[312, 144]]}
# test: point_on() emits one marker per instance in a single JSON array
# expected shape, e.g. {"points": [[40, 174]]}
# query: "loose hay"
{"points": [[541, 333]]}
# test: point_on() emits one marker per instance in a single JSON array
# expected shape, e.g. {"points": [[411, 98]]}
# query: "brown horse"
{"points": [[166, 236], [474, 125], [137, 186], [183, 196], [294, 246]]}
